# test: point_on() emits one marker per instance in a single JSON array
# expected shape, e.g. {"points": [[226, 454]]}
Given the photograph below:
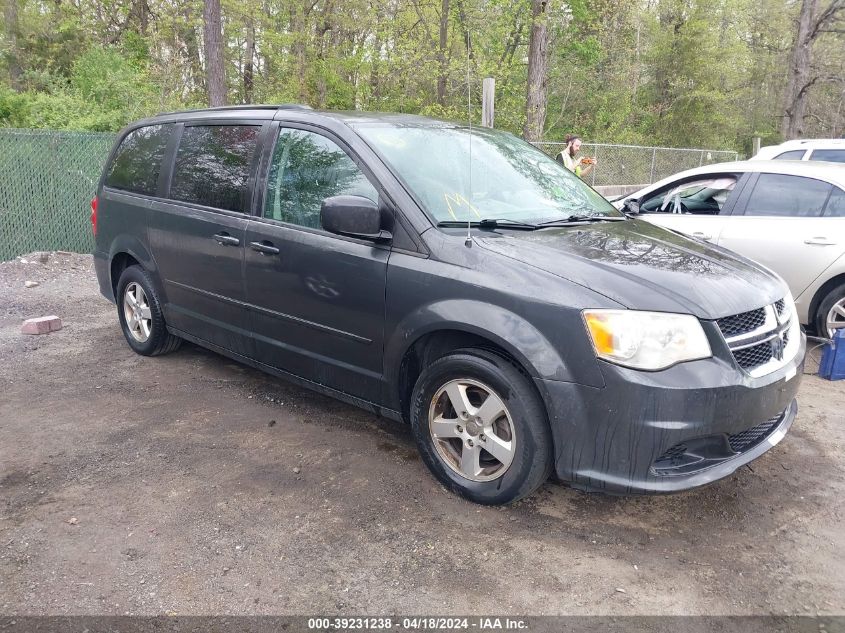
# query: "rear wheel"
{"points": [[830, 316], [481, 427], [140, 314]]}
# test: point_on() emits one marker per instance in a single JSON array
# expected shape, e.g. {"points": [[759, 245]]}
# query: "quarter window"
{"points": [[796, 154], [788, 196], [137, 162], [835, 204], [213, 165], [830, 155], [307, 168]]}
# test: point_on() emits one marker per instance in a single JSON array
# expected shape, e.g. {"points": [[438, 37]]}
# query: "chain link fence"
{"points": [[629, 165], [47, 180]]}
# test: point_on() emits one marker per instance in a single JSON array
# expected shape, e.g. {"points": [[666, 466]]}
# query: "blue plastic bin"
{"points": [[832, 365]]}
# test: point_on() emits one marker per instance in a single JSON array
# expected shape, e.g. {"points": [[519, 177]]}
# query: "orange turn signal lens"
{"points": [[599, 329]]}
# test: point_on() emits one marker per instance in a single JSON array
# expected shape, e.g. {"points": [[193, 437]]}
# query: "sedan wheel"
{"points": [[472, 430], [836, 317], [136, 310]]}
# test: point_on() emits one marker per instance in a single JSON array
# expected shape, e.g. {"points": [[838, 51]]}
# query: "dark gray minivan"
{"points": [[456, 279]]}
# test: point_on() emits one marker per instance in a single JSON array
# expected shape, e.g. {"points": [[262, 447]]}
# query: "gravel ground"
{"points": [[188, 484]]}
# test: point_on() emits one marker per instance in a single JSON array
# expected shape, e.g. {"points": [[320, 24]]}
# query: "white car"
{"points": [[787, 215], [821, 149]]}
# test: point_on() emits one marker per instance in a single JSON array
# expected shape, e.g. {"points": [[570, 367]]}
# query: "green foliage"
{"points": [[103, 92], [107, 78], [671, 72]]}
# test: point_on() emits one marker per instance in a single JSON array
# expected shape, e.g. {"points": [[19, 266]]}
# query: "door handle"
{"points": [[702, 236], [224, 239], [819, 241], [265, 248]]}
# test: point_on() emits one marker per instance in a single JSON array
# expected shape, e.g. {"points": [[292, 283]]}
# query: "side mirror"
{"points": [[353, 216], [631, 207]]}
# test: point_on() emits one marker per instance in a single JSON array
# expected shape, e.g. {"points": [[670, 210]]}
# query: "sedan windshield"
{"points": [[497, 177]]}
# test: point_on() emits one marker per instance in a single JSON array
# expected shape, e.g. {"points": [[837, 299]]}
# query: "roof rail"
{"points": [[260, 106]]}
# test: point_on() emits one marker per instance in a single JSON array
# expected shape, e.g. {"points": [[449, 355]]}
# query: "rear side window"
{"points": [[796, 154], [213, 165], [831, 155], [836, 204], [788, 196], [137, 162]]}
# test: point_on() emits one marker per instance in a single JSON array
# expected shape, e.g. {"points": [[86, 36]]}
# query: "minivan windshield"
{"points": [[511, 180]]}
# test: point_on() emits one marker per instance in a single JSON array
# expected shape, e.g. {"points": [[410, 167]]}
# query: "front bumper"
{"points": [[667, 431]]}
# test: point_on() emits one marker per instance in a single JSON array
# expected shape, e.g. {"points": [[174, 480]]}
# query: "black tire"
{"points": [[532, 459], [825, 306], [159, 341]]}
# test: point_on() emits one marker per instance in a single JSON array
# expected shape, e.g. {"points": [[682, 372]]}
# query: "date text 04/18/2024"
{"points": [[417, 623]]}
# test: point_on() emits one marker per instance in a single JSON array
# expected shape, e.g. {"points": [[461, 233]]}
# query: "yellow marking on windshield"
{"points": [[459, 202]]}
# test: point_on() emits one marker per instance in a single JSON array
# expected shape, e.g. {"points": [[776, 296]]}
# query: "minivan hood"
{"points": [[644, 267]]}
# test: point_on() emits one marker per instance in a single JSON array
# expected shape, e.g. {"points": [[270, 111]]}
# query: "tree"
{"points": [[802, 77], [10, 15], [214, 69], [538, 61], [441, 52], [706, 73], [249, 60]]}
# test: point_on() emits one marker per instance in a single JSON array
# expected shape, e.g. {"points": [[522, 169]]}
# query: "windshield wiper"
{"points": [[507, 223], [492, 223], [578, 218]]}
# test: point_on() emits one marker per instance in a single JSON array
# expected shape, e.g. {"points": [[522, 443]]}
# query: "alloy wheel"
{"points": [[472, 430], [136, 311], [836, 318]]}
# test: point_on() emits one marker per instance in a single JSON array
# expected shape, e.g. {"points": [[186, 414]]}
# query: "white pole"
{"points": [[488, 99]]}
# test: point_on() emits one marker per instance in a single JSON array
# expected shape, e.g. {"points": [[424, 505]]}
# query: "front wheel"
{"points": [[481, 427], [830, 316]]}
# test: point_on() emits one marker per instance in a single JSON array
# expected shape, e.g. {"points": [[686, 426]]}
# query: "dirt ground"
{"points": [[188, 484]]}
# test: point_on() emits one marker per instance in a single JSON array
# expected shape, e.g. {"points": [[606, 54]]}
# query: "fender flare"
{"points": [[511, 332], [131, 245]]}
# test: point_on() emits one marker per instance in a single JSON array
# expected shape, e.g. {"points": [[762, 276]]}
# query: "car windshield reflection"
{"points": [[462, 175]]}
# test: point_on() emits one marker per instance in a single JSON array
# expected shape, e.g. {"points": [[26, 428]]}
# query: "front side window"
{"points": [[830, 155], [796, 154], [306, 169], [701, 197], [213, 165], [463, 176], [788, 196], [137, 162]]}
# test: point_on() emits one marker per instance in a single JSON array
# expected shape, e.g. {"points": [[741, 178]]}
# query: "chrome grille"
{"points": [[758, 338]]}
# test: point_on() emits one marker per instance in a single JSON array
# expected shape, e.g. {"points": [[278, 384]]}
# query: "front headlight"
{"points": [[646, 340]]}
